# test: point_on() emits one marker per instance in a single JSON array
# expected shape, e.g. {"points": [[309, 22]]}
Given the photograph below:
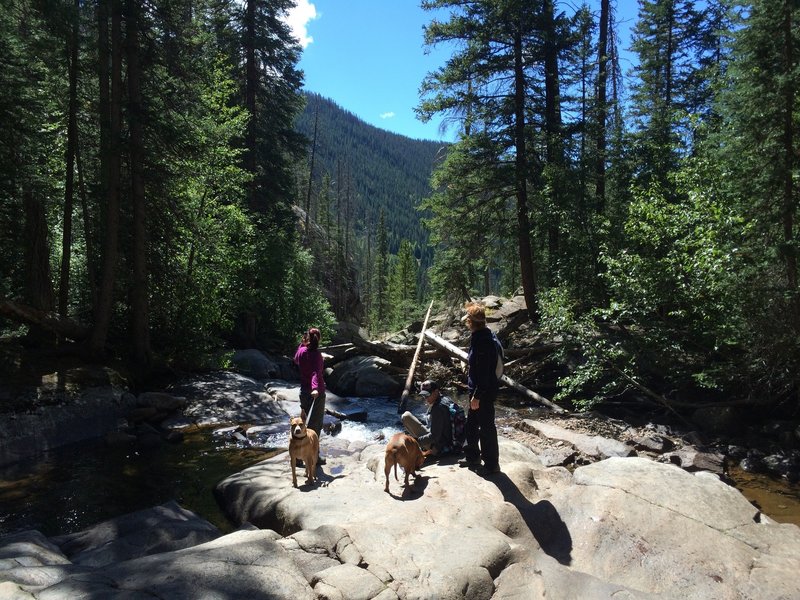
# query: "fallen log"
{"points": [[461, 355], [404, 398], [48, 321], [396, 354]]}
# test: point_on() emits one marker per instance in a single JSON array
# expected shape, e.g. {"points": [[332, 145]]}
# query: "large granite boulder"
{"points": [[154, 530], [365, 377], [224, 397], [621, 527]]}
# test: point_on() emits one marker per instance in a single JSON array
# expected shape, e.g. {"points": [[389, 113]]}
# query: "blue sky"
{"points": [[368, 57]]}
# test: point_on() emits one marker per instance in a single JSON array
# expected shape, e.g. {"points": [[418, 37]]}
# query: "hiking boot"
{"points": [[484, 470], [321, 460], [469, 464]]}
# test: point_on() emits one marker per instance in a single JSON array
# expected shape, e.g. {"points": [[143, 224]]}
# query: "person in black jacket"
{"points": [[438, 435], [482, 385]]}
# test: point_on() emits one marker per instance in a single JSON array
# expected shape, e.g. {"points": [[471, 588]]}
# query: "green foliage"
{"points": [[675, 316], [403, 287]]}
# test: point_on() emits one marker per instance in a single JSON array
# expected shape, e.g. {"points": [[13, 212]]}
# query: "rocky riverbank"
{"points": [[612, 525]]}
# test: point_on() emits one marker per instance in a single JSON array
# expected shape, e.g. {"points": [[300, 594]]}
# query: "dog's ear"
{"points": [[303, 415]]}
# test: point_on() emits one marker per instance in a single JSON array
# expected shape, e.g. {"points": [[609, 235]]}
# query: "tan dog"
{"points": [[303, 444], [403, 450]]}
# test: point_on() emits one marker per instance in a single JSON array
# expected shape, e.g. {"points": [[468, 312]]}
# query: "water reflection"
{"points": [[776, 498], [77, 486]]}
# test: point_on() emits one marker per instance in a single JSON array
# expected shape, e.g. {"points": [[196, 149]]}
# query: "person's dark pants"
{"points": [[313, 417], [482, 430]]}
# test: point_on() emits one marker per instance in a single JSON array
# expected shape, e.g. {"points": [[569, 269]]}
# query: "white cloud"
{"points": [[298, 19], [387, 115]]}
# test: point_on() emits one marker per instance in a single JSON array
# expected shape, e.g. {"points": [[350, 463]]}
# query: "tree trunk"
{"points": [[521, 173], [139, 291], [110, 120], [311, 177], [602, 108], [39, 285], [407, 387], [555, 156], [251, 84], [461, 355], [43, 320], [69, 185]]}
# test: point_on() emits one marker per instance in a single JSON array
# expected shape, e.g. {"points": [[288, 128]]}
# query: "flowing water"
{"points": [[74, 487]]}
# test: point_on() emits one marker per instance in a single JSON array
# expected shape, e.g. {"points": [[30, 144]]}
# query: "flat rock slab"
{"points": [[592, 445], [616, 528], [150, 531]]}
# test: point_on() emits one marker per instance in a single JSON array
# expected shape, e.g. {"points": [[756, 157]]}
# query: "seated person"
{"points": [[437, 436]]}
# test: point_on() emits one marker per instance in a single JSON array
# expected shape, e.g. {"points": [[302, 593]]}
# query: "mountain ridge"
{"points": [[385, 170]]}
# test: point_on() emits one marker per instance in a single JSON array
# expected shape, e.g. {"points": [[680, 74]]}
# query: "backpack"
{"points": [[458, 423], [498, 369]]}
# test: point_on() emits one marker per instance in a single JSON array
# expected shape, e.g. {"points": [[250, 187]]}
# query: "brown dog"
{"points": [[303, 444], [404, 450]]}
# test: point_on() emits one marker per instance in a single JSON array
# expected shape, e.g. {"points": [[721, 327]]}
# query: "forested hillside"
{"points": [[378, 171], [365, 194]]}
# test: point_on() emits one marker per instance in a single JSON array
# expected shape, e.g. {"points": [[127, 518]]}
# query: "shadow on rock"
{"points": [[414, 491], [541, 518]]}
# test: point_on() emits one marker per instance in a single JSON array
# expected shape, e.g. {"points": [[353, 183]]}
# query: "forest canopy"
{"points": [[157, 198], [650, 216]]}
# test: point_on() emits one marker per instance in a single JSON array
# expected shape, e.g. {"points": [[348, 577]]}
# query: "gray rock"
{"points": [[653, 443], [594, 446], [254, 363], [243, 564], [225, 397], [91, 414], [162, 528], [552, 457], [363, 376], [609, 530], [692, 459], [161, 401]]}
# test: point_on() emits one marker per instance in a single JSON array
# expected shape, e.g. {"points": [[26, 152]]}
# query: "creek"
{"points": [[76, 486]]}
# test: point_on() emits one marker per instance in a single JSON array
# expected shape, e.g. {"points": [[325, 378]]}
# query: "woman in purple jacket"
{"points": [[312, 383]]}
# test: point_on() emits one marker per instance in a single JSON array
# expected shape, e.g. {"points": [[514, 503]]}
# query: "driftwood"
{"points": [[404, 398], [48, 321], [460, 354]]}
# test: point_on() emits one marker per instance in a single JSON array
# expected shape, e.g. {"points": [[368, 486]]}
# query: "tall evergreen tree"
{"points": [[487, 79], [403, 285], [667, 93], [757, 148]]}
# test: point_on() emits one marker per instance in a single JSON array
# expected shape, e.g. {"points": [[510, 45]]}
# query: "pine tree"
{"points": [[486, 83], [382, 275], [667, 92], [403, 286], [757, 150]]}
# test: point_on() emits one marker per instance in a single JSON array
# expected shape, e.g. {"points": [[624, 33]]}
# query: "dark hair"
{"points": [[312, 338]]}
